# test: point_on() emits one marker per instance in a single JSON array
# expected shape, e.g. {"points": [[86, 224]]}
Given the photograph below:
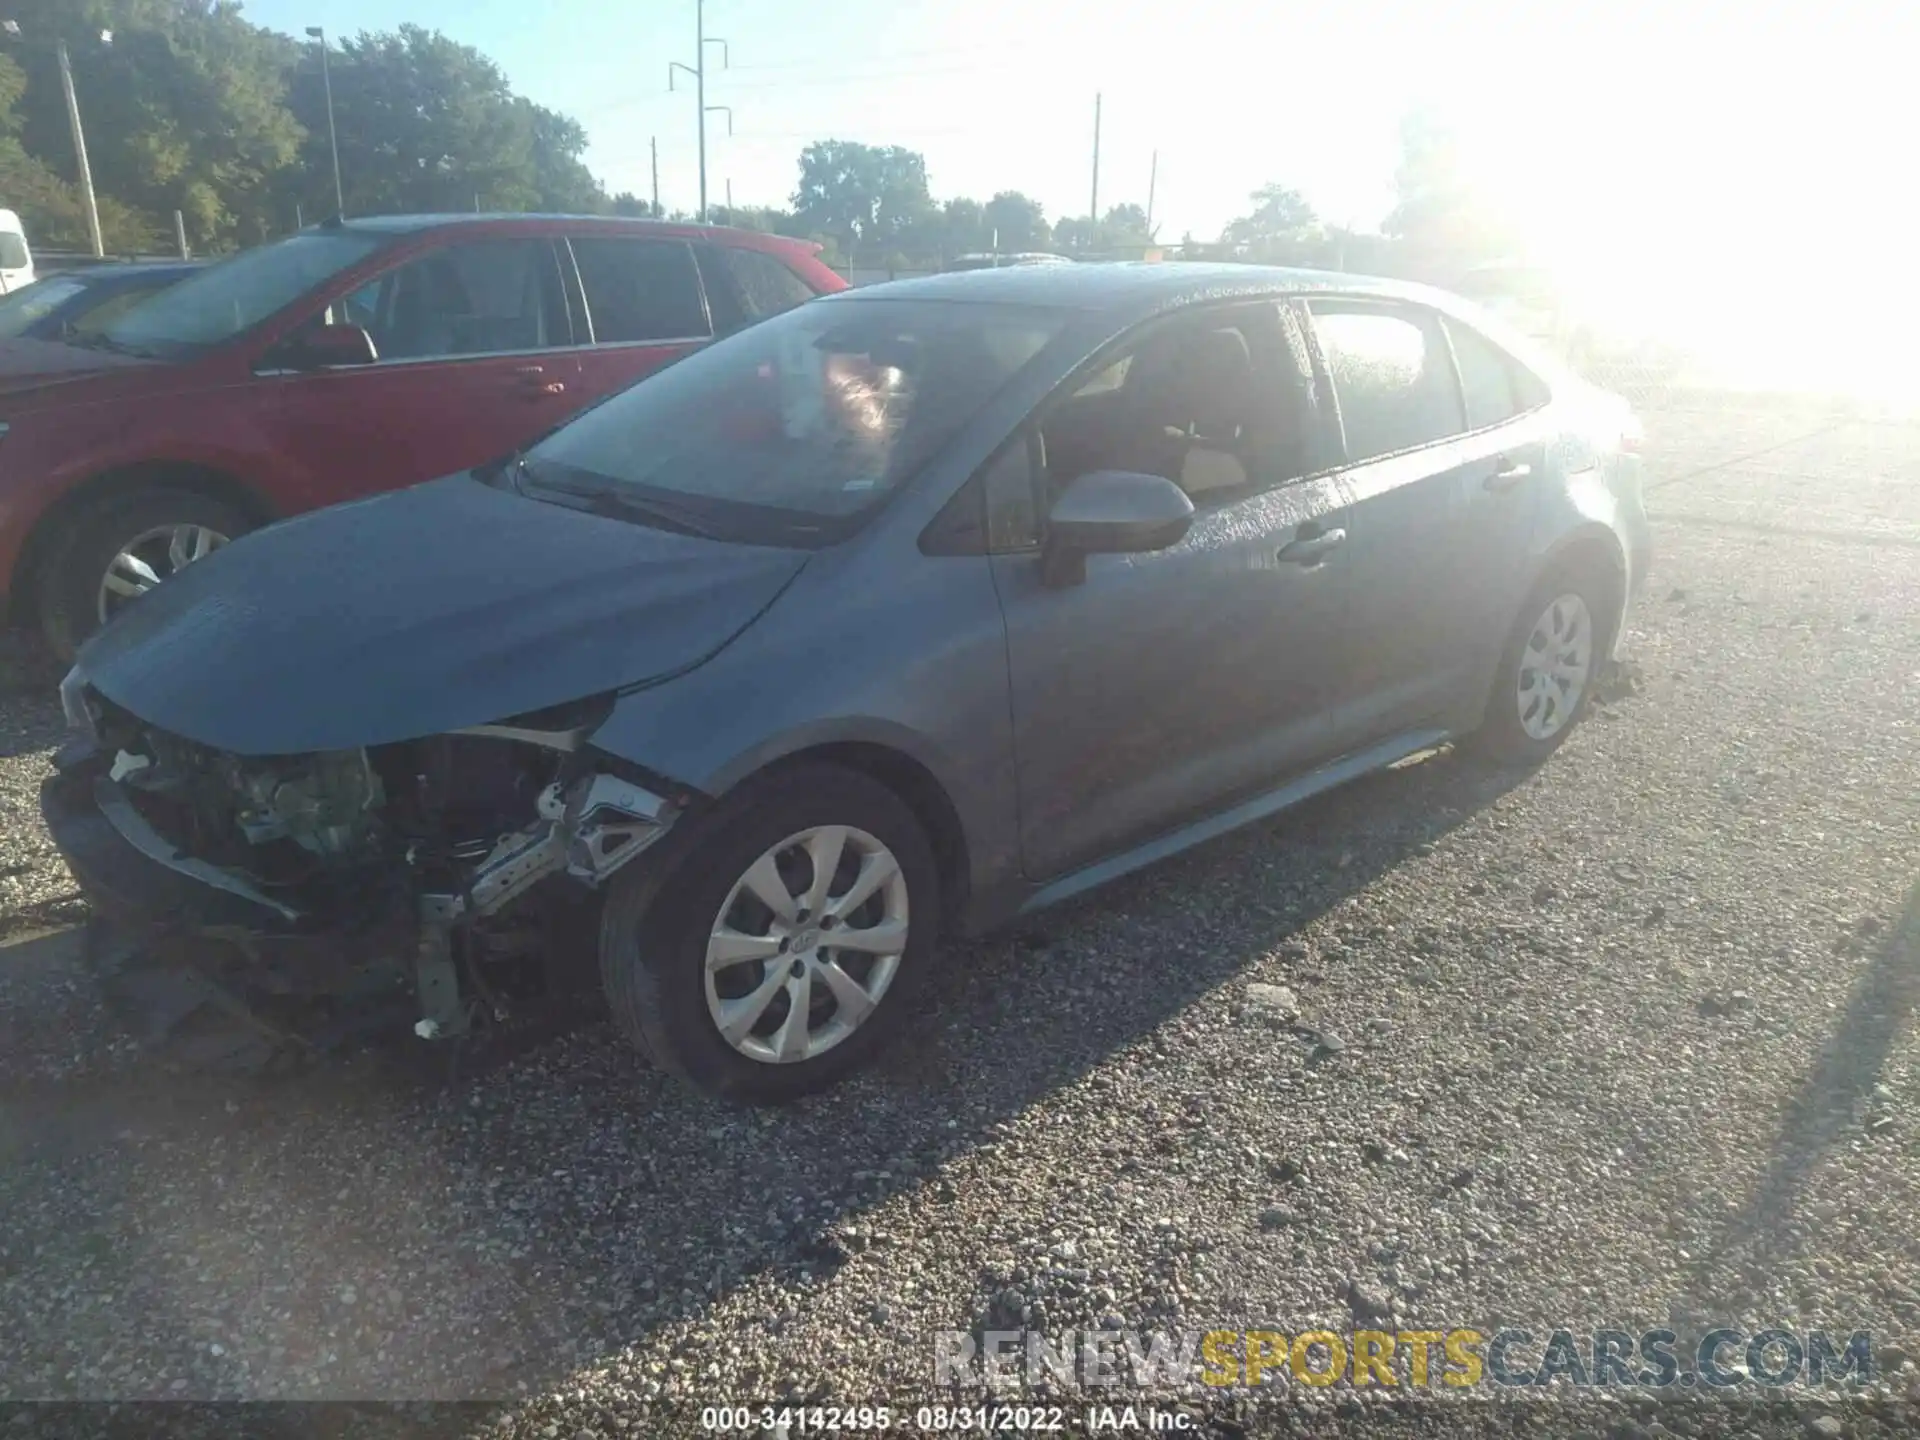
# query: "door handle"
{"points": [[1508, 475], [530, 378], [1312, 549]]}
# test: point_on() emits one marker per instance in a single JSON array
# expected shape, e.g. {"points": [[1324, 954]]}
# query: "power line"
{"points": [[823, 82], [989, 52]]}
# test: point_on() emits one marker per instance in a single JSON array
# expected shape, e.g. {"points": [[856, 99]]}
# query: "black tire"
{"points": [[1502, 737], [655, 926], [68, 584]]}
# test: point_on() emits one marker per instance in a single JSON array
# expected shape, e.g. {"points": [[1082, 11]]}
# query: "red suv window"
{"points": [[641, 290]]}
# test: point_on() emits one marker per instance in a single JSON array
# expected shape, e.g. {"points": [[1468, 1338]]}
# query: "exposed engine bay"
{"points": [[434, 866]]}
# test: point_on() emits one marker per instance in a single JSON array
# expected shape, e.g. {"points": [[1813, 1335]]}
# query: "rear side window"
{"points": [[1496, 386], [1392, 377], [641, 290], [765, 286]]}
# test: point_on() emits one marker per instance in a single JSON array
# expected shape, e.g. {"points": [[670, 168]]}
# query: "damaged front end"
{"points": [[438, 879]]}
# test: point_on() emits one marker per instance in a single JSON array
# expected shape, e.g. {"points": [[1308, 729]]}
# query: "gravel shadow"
{"points": [[1829, 1108]]}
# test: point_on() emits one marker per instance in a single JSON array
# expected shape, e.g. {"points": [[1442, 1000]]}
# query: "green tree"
{"points": [[1075, 232], [1444, 223], [963, 231], [561, 177], [1125, 225], [184, 108], [428, 124], [765, 219], [1282, 228], [866, 195], [1017, 221]]}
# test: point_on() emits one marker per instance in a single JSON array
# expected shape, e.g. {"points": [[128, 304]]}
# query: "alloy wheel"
{"points": [[151, 557], [806, 944], [1556, 667]]}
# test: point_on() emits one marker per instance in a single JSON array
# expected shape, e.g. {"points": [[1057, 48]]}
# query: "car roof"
{"points": [[1134, 285], [675, 229]]}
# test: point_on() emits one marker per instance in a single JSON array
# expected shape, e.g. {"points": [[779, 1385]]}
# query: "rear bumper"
{"points": [[1636, 539]]}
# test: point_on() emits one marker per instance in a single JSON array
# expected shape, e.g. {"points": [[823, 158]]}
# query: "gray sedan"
{"points": [[905, 613]]}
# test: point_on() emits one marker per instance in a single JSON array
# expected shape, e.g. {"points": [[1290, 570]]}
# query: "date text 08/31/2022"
{"points": [[940, 1419]]}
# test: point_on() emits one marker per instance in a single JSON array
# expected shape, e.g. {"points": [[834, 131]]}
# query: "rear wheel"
{"points": [[117, 550], [1549, 670], [785, 946]]}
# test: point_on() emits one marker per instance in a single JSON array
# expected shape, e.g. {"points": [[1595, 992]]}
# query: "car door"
{"points": [[644, 307], [476, 358], [1416, 491], [1507, 463], [1164, 685]]}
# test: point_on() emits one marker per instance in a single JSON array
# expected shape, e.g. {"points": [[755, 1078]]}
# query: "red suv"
{"points": [[353, 357]]}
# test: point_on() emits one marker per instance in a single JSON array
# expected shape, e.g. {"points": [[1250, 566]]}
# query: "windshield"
{"points": [[35, 302], [795, 429], [235, 295]]}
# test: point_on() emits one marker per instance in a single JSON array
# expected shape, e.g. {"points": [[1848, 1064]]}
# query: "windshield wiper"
{"points": [[598, 500], [100, 340], [663, 513]]}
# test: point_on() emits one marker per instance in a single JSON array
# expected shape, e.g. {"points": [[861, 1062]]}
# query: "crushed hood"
{"points": [[446, 605]]}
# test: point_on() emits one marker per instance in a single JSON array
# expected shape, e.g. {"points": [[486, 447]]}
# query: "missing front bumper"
{"points": [[410, 942]]}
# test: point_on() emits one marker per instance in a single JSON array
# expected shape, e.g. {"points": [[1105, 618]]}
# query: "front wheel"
{"points": [[116, 551], [787, 942], [1549, 669]]}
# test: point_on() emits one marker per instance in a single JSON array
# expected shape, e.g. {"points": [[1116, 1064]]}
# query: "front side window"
{"points": [[1211, 401], [30, 304], [641, 290], [791, 431], [1392, 377], [484, 297], [226, 299]]}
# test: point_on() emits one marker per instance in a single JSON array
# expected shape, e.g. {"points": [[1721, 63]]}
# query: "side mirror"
{"points": [[328, 345], [1112, 512]]}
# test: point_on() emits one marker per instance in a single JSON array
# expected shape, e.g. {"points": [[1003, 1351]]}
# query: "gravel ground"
{"points": [[1623, 1043]]}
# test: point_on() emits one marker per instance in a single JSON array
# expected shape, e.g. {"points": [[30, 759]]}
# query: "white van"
{"points": [[16, 260]]}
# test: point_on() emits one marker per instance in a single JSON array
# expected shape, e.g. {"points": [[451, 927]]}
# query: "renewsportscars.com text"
{"points": [[1457, 1358]]}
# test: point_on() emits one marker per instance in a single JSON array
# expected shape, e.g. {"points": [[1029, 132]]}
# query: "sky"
{"points": [[1696, 151]]}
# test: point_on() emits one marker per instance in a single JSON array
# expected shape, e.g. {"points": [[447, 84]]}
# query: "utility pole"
{"points": [[1153, 174], [333, 136], [1094, 211], [729, 197], [80, 149], [699, 72], [653, 144]]}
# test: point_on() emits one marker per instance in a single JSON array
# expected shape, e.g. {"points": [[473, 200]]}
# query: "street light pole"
{"points": [[700, 93], [333, 136], [80, 149]]}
